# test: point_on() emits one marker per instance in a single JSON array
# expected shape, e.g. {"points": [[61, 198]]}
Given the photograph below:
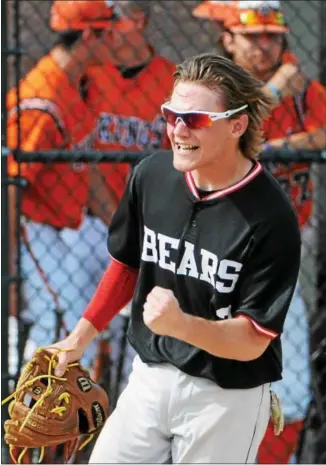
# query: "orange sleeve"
{"points": [[38, 132], [316, 106]]}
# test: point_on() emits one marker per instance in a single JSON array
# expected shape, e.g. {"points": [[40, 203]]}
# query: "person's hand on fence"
{"points": [[288, 81]]}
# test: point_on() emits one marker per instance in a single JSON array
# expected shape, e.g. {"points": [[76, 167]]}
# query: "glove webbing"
{"points": [[65, 396]]}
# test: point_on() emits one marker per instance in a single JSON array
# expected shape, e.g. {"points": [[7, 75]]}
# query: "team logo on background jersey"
{"points": [[130, 131], [87, 143], [221, 274]]}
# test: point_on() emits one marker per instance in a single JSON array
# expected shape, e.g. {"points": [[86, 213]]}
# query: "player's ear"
{"points": [[142, 22], [227, 41], [239, 125]]}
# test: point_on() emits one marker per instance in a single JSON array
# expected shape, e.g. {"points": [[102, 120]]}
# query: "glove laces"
{"points": [[59, 410]]}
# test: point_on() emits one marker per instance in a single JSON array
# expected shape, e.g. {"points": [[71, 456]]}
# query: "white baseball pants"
{"points": [[167, 416]]}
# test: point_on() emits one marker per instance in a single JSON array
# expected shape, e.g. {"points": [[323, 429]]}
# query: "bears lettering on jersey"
{"points": [[224, 313], [131, 131], [221, 274]]}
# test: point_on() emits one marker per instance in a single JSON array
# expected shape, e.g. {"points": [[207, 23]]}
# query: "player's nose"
{"points": [[264, 41], [180, 128]]}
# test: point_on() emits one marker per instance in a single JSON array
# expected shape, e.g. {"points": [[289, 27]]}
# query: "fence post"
{"points": [[319, 326], [313, 446], [5, 281]]}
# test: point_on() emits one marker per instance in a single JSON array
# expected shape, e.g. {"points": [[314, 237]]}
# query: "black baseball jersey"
{"points": [[234, 252]]}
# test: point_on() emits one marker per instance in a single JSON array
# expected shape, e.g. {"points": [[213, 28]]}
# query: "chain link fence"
{"points": [[68, 143]]}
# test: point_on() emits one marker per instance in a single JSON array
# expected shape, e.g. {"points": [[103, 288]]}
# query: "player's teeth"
{"points": [[186, 147]]}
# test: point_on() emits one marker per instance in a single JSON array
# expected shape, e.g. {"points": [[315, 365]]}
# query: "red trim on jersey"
{"points": [[258, 328], [114, 292], [222, 192]]}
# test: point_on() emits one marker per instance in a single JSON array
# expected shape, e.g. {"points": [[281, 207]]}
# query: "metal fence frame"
{"points": [[285, 156]]}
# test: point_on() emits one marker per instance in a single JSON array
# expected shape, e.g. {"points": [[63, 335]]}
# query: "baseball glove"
{"points": [[47, 410]]}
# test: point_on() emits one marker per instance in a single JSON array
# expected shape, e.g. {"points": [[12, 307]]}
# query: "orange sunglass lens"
{"points": [[192, 120], [197, 121]]}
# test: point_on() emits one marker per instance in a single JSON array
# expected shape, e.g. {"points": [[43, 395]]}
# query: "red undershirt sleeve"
{"points": [[115, 290]]}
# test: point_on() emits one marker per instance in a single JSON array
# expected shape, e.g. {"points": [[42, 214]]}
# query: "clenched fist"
{"points": [[289, 79], [162, 313]]}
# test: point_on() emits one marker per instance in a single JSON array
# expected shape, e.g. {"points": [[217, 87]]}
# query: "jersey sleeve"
{"points": [[124, 231], [316, 107], [38, 132], [269, 277]]}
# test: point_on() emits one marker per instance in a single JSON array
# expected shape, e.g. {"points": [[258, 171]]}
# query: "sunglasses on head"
{"points": [[196, 119], [253, 18]]}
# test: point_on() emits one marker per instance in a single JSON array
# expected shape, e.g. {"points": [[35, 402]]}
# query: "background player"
{"points": [[254, 35], [208, 309], [52, 114], [125, 96]]}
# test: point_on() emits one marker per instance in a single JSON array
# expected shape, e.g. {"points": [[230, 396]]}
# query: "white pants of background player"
{"points": [[167, 416], [74, 262]]}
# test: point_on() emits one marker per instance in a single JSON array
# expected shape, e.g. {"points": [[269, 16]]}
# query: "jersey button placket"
{"points": [[196, 208]]}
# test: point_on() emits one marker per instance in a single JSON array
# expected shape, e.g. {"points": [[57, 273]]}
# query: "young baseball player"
{"points": [[254, 35], [208, 245], [48, 112]]}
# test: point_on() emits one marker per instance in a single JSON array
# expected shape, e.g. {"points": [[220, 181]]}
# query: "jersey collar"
{"points": [[228, 190]]}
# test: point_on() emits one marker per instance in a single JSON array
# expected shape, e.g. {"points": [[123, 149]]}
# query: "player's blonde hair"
{"points": [[237, 86]]}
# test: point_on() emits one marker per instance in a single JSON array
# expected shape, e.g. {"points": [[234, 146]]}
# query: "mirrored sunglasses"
{"points": [[196, 119], [254, 18]]}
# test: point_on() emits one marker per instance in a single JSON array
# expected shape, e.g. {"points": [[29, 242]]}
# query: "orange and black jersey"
{"points": [[234, 253], [52, 115], [304, 113], [128, 111]]}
